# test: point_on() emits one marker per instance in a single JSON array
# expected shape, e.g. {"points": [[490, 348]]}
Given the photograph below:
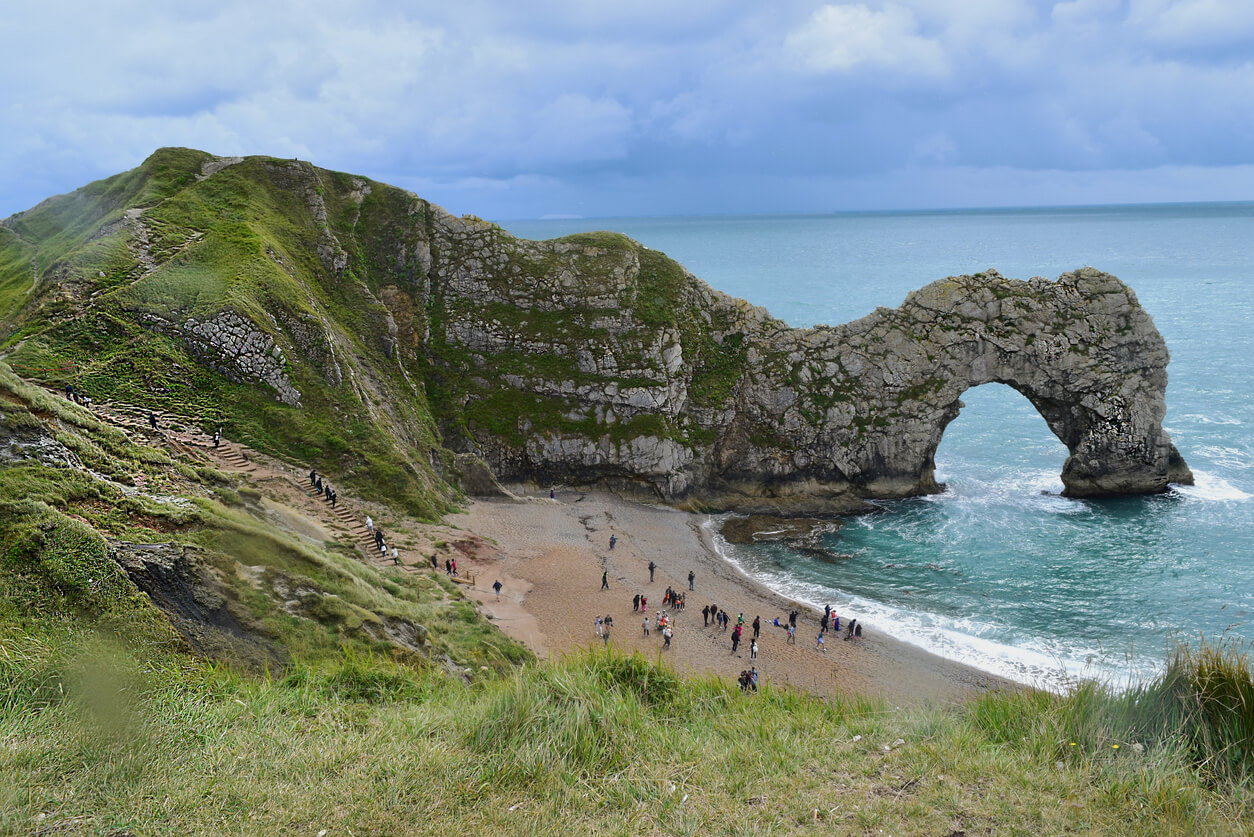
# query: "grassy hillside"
{"points": [[98, 288]]}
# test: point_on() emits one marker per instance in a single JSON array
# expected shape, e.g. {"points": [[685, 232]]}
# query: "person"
{"points": [[753, 648], [313, 478], [705, 616], [857, 633], [335, 496], [792, 634], [435, 565], [448, 567], [152, 419], [652, 567], [757, 626], [369, 520], [823, 623], [396, 556], [853, 625], [691, 577], [644, 604], [753, 678], [599, 626], [217, 439], [606, 624], [792, 618], [552, 494], [645, 624], [613, 540], [818, 642], [740, 619], [776, 622], [667, 633], [735, 640], [635, 603], [317, 485], [835, 623], [743, 680], [605, 580], [383, 548], [454, 566]]}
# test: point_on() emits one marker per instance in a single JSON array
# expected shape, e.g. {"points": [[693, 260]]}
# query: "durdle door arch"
{"points": [[1080, 349]]}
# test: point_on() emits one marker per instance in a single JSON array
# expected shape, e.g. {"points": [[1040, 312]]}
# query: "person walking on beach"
{"points": [[496, 586], [705, 616], [792, 618], [735, 640], [605, 580], [667, 633], [753, 648], [598, 626], [757, 626], [823, 623], [792, 634], [691, 577], [613, 540], [606, 624], [652, 567], [645, 624], [635, 603], [818, 642], [644, 604]]}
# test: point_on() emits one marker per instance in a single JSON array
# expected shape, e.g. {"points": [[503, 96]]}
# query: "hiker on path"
{"points": [[152, 419], [652, 567], [691, 577], [496, 586], [605, 580], [396, 556], [217, 439], [552, 494], [313, 478], [435, 565], [369, 520]]}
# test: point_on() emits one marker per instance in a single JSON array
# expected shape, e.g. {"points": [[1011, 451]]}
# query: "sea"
{"points": [[1000, 571]]}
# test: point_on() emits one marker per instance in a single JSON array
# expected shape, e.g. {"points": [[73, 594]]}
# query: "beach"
{"points": [[550, 554]]}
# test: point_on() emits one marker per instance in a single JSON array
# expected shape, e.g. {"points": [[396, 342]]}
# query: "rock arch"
{"points": [[1080, 349]]}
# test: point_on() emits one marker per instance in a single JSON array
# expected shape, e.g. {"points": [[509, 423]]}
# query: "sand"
{"points": [[550, 554]]}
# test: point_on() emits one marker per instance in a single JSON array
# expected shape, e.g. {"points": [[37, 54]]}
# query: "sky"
{"points": [[596, 108]]}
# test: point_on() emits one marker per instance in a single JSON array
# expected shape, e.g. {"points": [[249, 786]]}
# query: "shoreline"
{"points": [[550, 556]]}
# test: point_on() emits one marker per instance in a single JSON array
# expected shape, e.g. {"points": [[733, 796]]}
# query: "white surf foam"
{"points": [[1210, 487], [1037, 662]]}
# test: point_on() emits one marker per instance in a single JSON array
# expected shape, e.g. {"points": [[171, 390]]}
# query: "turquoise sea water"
{"points": [[995, 572]]}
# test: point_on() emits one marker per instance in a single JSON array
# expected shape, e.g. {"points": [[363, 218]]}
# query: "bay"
{"points": [[1000, 571]]}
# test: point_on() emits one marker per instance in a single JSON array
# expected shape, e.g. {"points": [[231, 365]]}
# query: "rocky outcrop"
{"points": [[236, 348], [592, 359]]}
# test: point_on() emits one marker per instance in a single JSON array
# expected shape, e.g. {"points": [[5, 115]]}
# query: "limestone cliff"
{"points": [[359, 328]]}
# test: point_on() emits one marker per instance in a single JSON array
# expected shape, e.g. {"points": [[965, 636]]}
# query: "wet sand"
{"points": [[550, 554]]}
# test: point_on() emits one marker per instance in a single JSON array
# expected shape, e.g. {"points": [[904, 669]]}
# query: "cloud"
{"points": [[841, 38], [566, 106]]}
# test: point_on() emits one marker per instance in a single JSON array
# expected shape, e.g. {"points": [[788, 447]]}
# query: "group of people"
{"points": [[380, 542], [77, 397], [324, 490], [748, 679], [852, 630]]}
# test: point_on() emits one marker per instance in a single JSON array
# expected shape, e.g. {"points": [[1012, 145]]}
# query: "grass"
{"points": [[594, 743]]}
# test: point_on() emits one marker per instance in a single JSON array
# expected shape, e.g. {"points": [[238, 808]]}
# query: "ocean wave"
{"points": [[1227, 457], [1198, 417], [1041, 662], [1213, 488]]}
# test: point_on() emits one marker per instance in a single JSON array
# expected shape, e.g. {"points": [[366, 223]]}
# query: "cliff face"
{"points": [[328, 316]]}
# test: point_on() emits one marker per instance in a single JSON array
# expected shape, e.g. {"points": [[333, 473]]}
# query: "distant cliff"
{"points": [[336, 320]]}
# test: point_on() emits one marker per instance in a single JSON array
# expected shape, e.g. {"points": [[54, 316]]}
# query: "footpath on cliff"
{"points": [[549, 555]]}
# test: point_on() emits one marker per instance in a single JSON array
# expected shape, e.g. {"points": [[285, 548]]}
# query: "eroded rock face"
{"points": [[600, 369]]}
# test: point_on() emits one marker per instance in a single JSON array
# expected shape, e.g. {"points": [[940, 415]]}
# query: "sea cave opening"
{"points": [[999, 445]]}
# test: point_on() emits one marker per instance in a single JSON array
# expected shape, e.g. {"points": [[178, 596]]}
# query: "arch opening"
{"points": [[999, 442]]}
